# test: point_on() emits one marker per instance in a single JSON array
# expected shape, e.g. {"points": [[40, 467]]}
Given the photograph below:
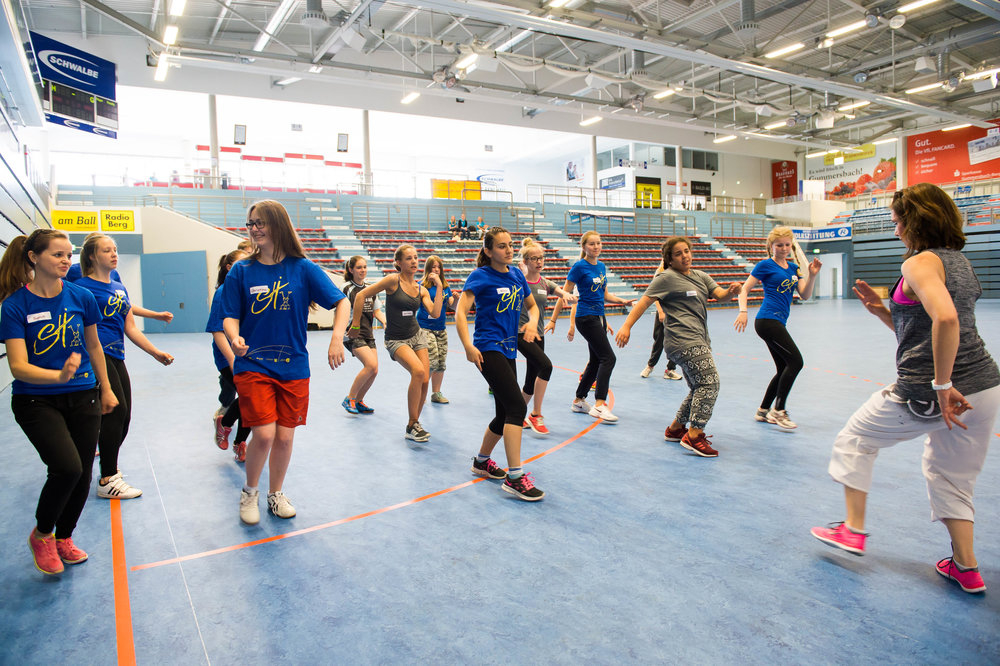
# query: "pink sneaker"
{"points": [[240, 449], [969, 580], [221, 434], [839, 536], [43, 549], [68, 552]]}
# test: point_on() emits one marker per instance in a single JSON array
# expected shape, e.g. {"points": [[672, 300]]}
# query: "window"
{"points": [[604, 160], [619, 153], [700, 159]]}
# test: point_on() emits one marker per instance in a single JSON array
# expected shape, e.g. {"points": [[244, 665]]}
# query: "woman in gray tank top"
{"points": [[947, 385], [403, 337]]}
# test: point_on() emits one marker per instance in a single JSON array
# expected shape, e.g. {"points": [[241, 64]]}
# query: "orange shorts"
{"points": [[264, 400]]}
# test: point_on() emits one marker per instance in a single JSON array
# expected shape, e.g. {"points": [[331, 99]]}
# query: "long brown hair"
{"points": [[349, 265], [668, 248], [488, 238], [928, 218], [226, 262], [398, 254], [16, 268], [283, 237], [428, 264], [89, 250]]}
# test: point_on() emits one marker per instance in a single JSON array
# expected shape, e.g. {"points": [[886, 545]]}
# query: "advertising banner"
{"points": [[855, 172], [967, 154], [85, 221], [833, 232], [784, 179]]}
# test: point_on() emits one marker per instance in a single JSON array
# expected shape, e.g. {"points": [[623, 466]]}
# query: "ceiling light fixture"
{"points": [[593, 120], [410, 97], [985, 74], [819, 154], [884, 141], [664, 93], [177, 7], [956, 127], [785, 50], [723, 139], [315, 69], [853, 105], [161, 68], [279, 16], [915, 5], [170, 35], [287, 81], [920, 89], [851, 27], [780, 123], [464, 62]]}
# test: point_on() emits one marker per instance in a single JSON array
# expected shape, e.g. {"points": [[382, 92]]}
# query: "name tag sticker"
{"points": [[503, 290], [39, 316], [259, 289], [597, 279], [407, 313], [119, 293], [692, 293]]}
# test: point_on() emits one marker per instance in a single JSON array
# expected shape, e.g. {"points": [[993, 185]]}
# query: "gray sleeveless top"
{"points": [[401, 314], [975, 370]]}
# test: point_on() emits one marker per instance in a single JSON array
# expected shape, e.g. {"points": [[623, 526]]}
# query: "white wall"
{"points": [[812, 213]]}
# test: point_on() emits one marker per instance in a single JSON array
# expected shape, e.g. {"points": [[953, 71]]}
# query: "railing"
{"points": [[567, 195], [622, 198], [429, 217], [739, 226], [510, 195], [958, 190], [614, 222]]}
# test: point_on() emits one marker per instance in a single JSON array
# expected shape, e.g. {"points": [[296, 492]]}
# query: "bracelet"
{"points": [[355, 328], [941, 387], [743, 311]]}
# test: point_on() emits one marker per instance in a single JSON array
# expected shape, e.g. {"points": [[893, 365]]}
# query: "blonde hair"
{"points": [[528, 244], [583, 240], [428, 264], [90, 244], [785, 232]]}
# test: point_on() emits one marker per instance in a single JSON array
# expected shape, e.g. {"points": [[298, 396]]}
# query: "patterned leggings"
{"points": [[702, 378]]}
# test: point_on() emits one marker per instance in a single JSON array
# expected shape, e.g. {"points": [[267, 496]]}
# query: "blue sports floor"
{"points": [[639, 553]]}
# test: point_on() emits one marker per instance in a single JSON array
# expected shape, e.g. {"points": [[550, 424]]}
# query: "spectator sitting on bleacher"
{"points": [[480, 227], [453, 228], [463, 228]]}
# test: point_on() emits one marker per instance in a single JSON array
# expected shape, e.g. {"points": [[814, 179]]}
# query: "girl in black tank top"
{"points": [[363, 346], [402, 333]]}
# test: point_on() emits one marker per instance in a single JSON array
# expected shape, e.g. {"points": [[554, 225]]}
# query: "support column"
{"points": [[679, 170], [213, 142], [366, 160], [593, 162]]}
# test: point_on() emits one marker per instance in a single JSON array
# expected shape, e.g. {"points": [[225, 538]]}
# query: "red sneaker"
{"points": [[43, 549], [537, 423], [68, 552], [240, 449], [221, 434], [840, 536], [699, 445], [672, 435], [969, 580]]}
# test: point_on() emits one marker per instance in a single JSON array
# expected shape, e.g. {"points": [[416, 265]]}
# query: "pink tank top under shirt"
{"points": [[900, 297]]}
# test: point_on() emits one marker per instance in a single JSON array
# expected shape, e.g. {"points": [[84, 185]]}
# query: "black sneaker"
{"points": [[489, 469], [523, 488], [417, 433]]}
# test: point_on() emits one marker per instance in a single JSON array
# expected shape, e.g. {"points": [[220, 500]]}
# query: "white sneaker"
{"points": [[581, 406], [761, 415], [280, 505], [249, 513], [779, 417], [603, 412], [116, 488], [673, 374], [646, 372]]}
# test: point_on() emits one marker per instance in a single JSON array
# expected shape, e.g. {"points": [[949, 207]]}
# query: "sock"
{"points": [[854, 531], [515, 472], [481, 458], [961, 568], [248, 489]]}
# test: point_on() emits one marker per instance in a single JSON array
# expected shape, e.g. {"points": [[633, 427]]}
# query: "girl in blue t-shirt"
{"points": [[499, 293], [54, 352], [779, 277], [590, 275], [434, 327], [265, 304], [99, 258], [229, 415]]}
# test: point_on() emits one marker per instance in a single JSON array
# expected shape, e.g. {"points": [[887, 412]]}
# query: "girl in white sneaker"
{"points": [[779, 277]]}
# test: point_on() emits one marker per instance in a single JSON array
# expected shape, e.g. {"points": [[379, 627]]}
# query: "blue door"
{"points": [[178, 282]]}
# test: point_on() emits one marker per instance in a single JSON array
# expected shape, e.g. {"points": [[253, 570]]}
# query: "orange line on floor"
{"points": [[123, 607]]}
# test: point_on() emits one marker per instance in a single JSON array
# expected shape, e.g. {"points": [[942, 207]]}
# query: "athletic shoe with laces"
{"points": [[969, 580], [363, 408], [351, 406], [43, 550], [280, 505], [68, 552], [221, 434], [240, 449], [581, 406], [417, 433], [523, 488], [673, 374], [761, 415], [603, 412], [779, 417], [699, 445], [537, 424], [488, 469], [672, 435], [117, 488], [249, 511], [439, 398], [646, 372], [840, 536]]}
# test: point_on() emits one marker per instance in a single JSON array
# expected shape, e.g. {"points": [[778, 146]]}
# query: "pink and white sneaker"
{"points": [[840, 536], [969, 580]]}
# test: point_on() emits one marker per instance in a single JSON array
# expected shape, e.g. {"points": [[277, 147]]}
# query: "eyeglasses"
{"points": [[260, 224], [540, 257]]}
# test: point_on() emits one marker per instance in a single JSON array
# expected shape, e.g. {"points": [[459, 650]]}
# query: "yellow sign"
{"points": [[864, 152], [75, 220], [117, 220], [647, 195]]}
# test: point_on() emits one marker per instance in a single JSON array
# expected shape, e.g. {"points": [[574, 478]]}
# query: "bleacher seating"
{"points": [[319, 248]]}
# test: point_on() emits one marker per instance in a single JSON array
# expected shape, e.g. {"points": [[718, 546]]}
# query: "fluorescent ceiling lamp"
{"points": [[315, 69], [556, 4], [513, 41], [824, 44], [409, 97], [161, 68], [177, 7], [914, 5], [956, 127], [287, 81], [985, 74], [920, 89], [467, 60], [593, 120], [785, 50], [819, 154], [664, 93], [780, 123], [857, 25], [723, 139], [279, 16], [884, 141], [170, 35], [853, 105]]}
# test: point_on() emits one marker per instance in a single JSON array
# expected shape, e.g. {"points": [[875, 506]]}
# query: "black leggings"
{"points": [[63, 429], [787, 360], [501, 374], [539, 365], [232, 414], [602, 357], [227, 388], [114, 426], [659, 330]]}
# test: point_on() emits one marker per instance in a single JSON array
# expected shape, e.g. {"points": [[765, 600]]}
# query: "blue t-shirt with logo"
{"points": [[424, 317], [215, 325], [272, 305], [52, 329], [591, 281], [779, 286], [498, 308], [75, 272], [113, 304]]}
